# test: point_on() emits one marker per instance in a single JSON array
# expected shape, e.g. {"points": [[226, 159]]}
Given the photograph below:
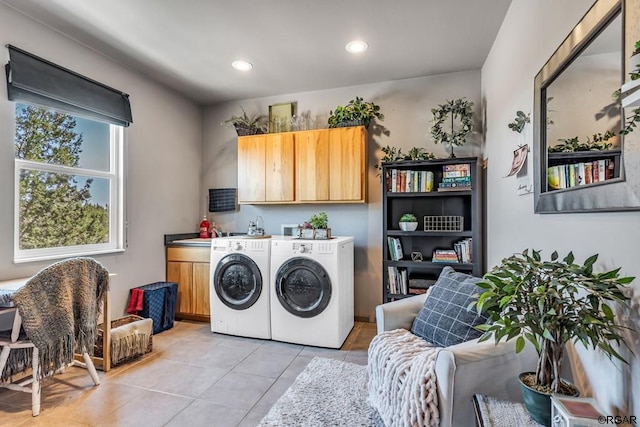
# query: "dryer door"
{"points": [[303, 287], [237, 281]]}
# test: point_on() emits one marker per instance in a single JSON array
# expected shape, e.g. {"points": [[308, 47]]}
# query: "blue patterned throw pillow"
{"points": [[444, 319]]}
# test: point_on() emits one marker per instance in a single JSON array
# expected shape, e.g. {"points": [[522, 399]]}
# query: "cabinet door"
{"points": [[251, 168], [312, 165], [182, 273], [347, 157], [279, 176], [200, 294]]}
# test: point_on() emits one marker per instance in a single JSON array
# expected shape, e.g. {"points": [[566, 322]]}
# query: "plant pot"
{"points": [[244, 131], [408, 226], [317, 234], [352, 123], [538, 404]]}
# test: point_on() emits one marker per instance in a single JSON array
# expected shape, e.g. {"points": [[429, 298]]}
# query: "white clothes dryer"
{"points": [[312, 290], [239, 286]]}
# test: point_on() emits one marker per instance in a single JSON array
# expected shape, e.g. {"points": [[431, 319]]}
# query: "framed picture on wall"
{"points": [[280, 117]]}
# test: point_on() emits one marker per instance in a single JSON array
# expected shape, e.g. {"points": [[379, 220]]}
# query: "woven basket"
{"points": [[98, 348], [242, 131]]}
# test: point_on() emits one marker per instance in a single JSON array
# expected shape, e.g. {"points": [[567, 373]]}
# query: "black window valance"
{"points": [[36, 80]]}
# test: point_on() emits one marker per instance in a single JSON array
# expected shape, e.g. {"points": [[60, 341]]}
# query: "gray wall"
{"points": [[529, 35], [406, 105], [163, 148]]}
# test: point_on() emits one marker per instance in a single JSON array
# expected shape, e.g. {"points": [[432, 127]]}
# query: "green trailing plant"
{"points": [[248, 124], [460, 109], [356, 110], [632, 122], [520, 121], [635, 74], [570, 145], [319, 221], [408, 217], [419, 153], [393, 154], [550, 303]]}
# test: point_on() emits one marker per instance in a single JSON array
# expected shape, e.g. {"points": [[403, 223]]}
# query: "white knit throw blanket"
{"points": [[402, 379], [130, 340]]}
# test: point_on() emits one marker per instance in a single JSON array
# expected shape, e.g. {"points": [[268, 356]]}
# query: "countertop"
{"points": [[191, 239]]}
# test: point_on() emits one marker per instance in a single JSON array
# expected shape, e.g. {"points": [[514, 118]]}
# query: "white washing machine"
{"points": [[239, 286], [312, 290]]}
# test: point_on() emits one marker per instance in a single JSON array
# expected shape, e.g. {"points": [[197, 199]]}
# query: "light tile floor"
{"points": [[192, 377]]}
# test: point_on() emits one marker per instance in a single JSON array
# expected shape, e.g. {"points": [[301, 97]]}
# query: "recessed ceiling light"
{"points": [[356, 46], [242, 65]]}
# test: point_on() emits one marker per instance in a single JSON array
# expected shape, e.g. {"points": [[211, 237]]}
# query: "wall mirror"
{"points": [[581, 163]]}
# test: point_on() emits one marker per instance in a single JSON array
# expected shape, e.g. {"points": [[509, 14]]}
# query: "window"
{"points": [[69, 185]]}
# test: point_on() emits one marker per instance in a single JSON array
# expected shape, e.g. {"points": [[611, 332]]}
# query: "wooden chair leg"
{"points": [[35, 385]]}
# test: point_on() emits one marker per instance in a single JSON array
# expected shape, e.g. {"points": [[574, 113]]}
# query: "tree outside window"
{"points": [[68, 185]]}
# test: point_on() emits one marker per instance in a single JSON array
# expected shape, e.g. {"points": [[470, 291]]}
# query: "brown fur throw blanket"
{"points": [[59, 308]]}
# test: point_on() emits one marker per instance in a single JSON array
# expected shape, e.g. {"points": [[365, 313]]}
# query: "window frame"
{"points": [[115, 175]]}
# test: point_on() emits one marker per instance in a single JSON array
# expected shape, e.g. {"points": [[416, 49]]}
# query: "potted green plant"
{"points": [[408, 222], [356, 113], [317, 227], [549, 303], [248, 125], [634, 62]]}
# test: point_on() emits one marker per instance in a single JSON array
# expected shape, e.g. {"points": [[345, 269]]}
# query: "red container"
{"points": [[204, 228]]}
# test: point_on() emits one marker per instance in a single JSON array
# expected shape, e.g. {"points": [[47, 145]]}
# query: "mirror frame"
{"points": [[621, 193]]}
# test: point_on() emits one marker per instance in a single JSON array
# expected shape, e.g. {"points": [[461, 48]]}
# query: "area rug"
{"points": [[327, 393]]}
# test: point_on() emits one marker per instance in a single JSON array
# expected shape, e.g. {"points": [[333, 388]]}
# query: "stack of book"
{"points": [[455, 177], [445, 255]]}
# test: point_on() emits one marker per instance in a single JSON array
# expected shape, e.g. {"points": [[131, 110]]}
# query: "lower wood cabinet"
{"points": [[189, 267]]}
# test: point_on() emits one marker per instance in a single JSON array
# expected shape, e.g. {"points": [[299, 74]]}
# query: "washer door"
{"points": [[237, 281], [303, 287]]}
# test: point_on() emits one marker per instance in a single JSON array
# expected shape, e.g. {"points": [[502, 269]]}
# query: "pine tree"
{"points": [[54, 210]]}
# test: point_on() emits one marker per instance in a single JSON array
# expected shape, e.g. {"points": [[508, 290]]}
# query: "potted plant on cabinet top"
{"points": [[408, 222], [316, 228], [356, 113], [549, 303], [248, 125]]}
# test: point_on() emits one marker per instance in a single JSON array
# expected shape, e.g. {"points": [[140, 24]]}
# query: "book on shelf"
{"points": [[457, 167], [395, 248], [398, 280], [463, 250], [465, 188], [576, 174]]}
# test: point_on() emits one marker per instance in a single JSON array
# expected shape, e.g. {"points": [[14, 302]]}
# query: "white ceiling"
{"points": [[295, 46]]}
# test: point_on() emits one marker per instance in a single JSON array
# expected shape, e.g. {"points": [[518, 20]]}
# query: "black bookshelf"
{"points": [[464, 202]]}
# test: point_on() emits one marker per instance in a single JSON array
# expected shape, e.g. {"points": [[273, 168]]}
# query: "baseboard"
{"points": [[364, 319]]}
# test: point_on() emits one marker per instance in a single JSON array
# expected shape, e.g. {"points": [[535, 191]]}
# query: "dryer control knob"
{"points": [[302, 249]]}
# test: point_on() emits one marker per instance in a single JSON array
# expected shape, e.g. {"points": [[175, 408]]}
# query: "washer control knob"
{"points": [[238, 246], [302, 249]]}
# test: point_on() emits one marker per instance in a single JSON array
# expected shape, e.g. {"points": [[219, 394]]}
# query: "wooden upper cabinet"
{"points": [[251, 168], [347, 161], [324, 165], [279, 179], [265, 168], [312, 166]]}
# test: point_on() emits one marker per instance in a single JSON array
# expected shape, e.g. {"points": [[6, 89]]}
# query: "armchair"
{"points": [[465, 369]]}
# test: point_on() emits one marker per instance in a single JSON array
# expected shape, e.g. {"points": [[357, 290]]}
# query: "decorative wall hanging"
{"points": [[446, 114]]}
